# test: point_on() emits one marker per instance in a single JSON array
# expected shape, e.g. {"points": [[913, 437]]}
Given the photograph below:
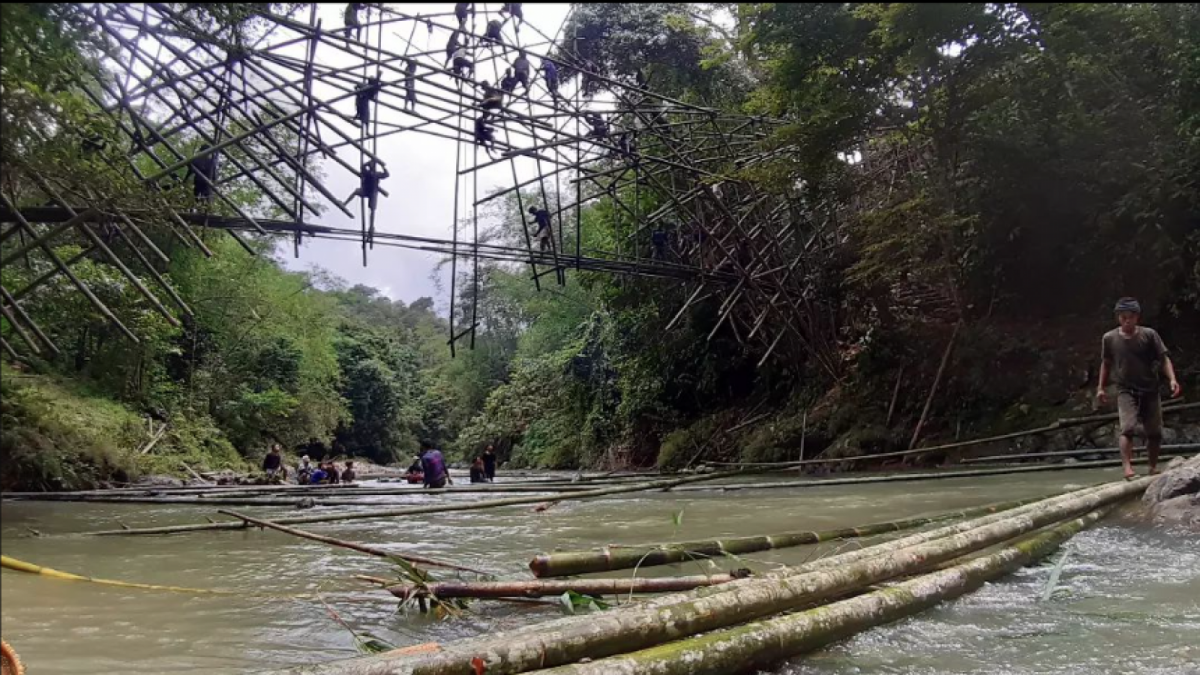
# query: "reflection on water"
{"points": [[1133, 607]]}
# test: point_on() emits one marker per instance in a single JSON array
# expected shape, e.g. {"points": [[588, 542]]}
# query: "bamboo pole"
{"points": [[906, 477], [1178, 447], [543, 588], [439, 508], [761, 644], [354, 546], [570, 563], [1061, 423], [674, 617], [937, 380], [421, 511]]}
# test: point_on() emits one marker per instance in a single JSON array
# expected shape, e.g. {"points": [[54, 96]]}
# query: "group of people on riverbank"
{"points": [[323, 473]]}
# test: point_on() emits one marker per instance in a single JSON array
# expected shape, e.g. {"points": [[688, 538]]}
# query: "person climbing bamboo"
{"points": [[551, 74], [590, 84], [493, 98], [365, 94], [462, 10], [492, 35], [514, 10], [545, 232], [658, 244], [353, 23], [203, 171], [452, 46], [410, 85], [368, 188], [599, 127], [1133, 355], [508, 84], [485, 134], [463, 63], [521, 69]]}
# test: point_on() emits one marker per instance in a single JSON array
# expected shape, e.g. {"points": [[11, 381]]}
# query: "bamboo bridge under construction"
{"points": [[199, 117]]}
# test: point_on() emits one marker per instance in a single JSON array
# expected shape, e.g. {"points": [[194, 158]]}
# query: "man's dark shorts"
{"points": [[439, 483], [1133, 406]]}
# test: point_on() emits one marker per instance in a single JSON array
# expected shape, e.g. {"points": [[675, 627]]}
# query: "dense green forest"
{"points": [[1049, 163]]}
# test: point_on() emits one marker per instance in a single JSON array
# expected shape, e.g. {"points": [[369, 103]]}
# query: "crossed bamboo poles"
{"points": [[269, 108]]}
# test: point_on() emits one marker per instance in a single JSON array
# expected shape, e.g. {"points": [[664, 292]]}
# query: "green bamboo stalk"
{"points": [[764, 643], [648, 624], [609, 558]]}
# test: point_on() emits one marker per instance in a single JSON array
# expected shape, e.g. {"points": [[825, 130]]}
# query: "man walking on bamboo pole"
{"points": [[1133, 355]]}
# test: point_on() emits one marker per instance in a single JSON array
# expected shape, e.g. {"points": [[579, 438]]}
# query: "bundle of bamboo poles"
{"points": [[758, 620], [568, 563]]}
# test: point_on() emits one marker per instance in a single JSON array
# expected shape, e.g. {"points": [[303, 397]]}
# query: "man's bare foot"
{"points": [[1154, 471], [1130, 474]]}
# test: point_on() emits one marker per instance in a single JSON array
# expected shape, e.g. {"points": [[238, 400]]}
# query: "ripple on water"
{"points": [[1132, 605]]}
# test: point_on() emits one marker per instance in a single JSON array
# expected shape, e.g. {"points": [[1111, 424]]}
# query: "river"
{"points": [[1131, 602]]}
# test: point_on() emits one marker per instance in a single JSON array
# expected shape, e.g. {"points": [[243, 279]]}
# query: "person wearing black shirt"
{"points": [[489, 463]]}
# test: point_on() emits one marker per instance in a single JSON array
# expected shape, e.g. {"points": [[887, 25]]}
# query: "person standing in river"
{"points": [[434, 466], [1133, 355], [489, 464]]}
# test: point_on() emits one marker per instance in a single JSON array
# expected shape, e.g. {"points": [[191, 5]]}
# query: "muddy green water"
{"points": [[1131, 604]]}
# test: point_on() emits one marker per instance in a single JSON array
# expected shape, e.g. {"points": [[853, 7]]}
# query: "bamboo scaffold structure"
{"points": [[284, 107]]}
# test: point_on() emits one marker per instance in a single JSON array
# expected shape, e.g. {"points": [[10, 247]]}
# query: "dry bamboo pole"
{"points": [[760, 644], [937, 380], [20, 312], [291, 501], [66, 269], [354, 546], [543, 588], [570, 563], [674, 617], [905, 477], [1178, 447], [439, 508], [1062, 423]]}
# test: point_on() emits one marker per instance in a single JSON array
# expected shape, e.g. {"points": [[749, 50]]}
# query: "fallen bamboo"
{"points": [[761, 644], [354, 546], [905, 477], [1176, 448], [288, 501], [543, 588], [439, 508], [596, 636], [1058, 425], [609, 558]]}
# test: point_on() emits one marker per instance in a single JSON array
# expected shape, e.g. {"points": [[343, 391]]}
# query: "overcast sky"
{"points": [[421, 184]]}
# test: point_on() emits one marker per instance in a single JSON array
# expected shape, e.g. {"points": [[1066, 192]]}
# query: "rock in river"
{"points": [[1174, 498]]}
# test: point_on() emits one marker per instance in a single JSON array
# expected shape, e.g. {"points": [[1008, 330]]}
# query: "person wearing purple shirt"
{"points": [[434, 466]]}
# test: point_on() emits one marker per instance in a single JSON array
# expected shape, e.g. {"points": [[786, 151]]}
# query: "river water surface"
{"points": [[1130, 601]]}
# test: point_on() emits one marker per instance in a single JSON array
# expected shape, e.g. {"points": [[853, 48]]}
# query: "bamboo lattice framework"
{"points": [[281, 113]]}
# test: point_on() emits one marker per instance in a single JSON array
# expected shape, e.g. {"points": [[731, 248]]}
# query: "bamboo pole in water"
{"points": [[764, 643], [930, 475], [517, 501], [628, 629], [570, 563], [543, 588], [1175, 448], [438, 508], [354, 546]]}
